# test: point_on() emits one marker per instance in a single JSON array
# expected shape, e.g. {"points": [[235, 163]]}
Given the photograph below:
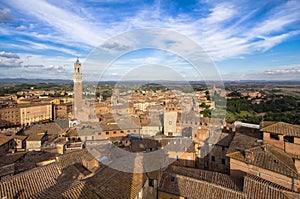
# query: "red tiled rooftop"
{"points": [[283, 129], [268, 157], [194, 188]]}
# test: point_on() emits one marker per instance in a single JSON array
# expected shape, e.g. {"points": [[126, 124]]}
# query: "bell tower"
{"points": [[77, 79]]}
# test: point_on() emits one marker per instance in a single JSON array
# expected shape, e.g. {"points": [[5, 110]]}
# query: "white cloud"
{"points": [[282, 71], [40, 68], [44, 60], [10, 63], [220, 13], [31, 67], [9, 55], [211, 31], [269, 42], [21, 27], [67, 23], [278, 19], [5, 15], [219, 41], [41, 46]]}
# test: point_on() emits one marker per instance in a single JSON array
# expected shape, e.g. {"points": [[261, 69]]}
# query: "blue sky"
{"points": [[245, 39]]}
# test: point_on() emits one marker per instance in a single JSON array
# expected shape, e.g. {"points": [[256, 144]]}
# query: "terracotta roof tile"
{"points": [[35, 137], [48, 179], [26, 184], [112, 184], [283, 129], [5, 139], [142, 145], [194, 188], [258, 188], [268, 157], [242, 141], [73, 157], [11, 158], [51, 128], [291, 195], [209, 176], [266, 123]]}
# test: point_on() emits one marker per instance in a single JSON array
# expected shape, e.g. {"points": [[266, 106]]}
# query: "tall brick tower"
{"points": [[77, 79]]}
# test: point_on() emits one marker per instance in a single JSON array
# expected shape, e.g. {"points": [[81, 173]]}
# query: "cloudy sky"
{"points": [[244, 39]]}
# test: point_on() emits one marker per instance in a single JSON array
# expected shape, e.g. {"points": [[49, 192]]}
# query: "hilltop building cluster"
{"points": [[64, 148]]}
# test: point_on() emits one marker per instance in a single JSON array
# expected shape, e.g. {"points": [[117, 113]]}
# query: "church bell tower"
{"points": [[77, 79]]}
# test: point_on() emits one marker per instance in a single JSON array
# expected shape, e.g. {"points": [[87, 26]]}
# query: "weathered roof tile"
{"points": [[283, 129], [268, 157]]}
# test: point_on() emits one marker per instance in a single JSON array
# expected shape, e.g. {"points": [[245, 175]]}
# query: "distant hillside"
{"points": [[24, 80]]}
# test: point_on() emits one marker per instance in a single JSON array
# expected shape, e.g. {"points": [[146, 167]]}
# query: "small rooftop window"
{"points": [[274, 136], [172, 178]]}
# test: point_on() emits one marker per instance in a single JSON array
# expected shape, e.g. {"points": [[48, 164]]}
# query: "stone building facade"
{"points": [[9, 117], [62, 111], [31, 114]]}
